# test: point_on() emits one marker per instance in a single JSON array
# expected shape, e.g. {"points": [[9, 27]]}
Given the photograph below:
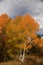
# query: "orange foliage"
{"points": [[29, 23], [19, 28], [19, 33], [3, 19], [38, 42], [41, 43], [28, 26]]}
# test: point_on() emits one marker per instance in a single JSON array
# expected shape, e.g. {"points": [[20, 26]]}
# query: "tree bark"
{"points": [[22, 55]]}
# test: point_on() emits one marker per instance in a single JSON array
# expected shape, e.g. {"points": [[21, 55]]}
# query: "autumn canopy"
{"points": [[18, 32]]}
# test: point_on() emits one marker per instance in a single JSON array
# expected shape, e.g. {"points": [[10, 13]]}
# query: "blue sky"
{"points": [[21, 7]]}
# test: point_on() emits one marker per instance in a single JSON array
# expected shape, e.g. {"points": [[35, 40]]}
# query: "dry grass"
{"points": [[29, 60]]}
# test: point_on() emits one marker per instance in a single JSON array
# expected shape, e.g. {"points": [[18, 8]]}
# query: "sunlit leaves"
{"points": [[21, 27], [17, 32]]}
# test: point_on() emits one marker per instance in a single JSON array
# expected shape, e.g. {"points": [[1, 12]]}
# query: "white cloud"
{"points": [[40, 20], [5, 6]]}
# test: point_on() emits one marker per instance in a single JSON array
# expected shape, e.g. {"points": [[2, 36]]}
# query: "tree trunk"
{"points": [[22, 55]]}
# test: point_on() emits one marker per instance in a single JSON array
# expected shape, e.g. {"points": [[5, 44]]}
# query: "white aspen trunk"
{"points": [[22, 56]]}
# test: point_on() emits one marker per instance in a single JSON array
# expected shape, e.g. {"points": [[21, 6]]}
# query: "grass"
{"points": [[29, 60]]}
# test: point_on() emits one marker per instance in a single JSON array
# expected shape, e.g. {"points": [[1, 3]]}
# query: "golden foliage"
{"points": [[4, 19], [19, 28]]}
